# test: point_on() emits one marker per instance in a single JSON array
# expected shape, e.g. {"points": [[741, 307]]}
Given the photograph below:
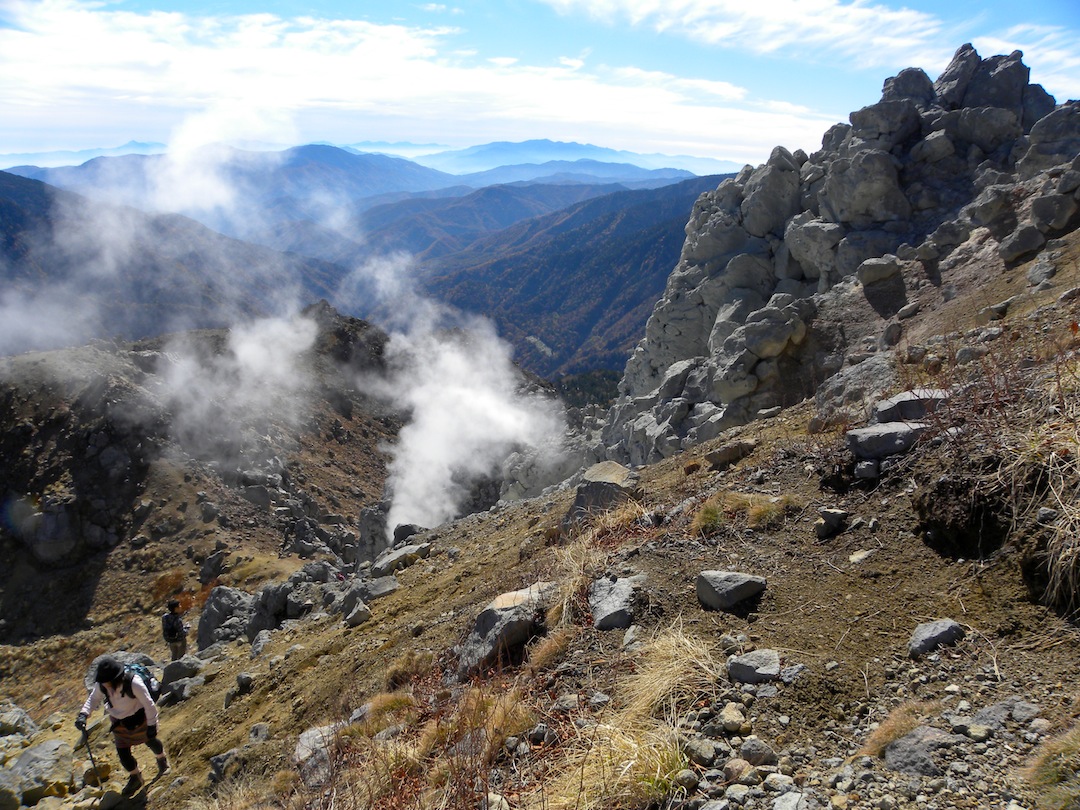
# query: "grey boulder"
{"points": [[720, 590]]}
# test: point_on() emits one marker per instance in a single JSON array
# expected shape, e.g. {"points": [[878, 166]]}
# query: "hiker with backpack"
{"points": [[133, 713], [174, 630]]}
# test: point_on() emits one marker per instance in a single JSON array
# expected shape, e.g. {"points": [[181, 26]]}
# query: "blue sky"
{"points": [[727, 79]]}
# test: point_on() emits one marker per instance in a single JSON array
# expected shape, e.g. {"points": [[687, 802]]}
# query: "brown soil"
{"points": [[845, 607]]}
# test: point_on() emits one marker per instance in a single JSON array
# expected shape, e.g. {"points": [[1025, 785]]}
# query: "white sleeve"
{"points": [[93, 700]]}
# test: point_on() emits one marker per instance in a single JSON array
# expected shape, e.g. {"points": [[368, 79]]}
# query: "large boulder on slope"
{"points": [[44, 770], [603, 485], [504, 626], [721, 590]]}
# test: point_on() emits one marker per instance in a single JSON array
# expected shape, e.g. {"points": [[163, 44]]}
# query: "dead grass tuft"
{"points": [[384, 710], [613, 767], [236, 794], [1054, 772], [551, 648], [673, 671], [576, 565], [902, 720], [479, 725], [409, 667], [729, 509]]}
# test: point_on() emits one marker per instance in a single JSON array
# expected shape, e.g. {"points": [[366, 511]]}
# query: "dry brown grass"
{"points": [[1038, 432], [674, 670], [550, 649], [574, 567], [1054, 772], [411, 666], [483, 718], [629, 762], [237, 794], [742, 509], [612, 767], [902, 720]]}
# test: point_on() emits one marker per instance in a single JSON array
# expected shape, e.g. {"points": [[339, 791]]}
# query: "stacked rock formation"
{"points": [[750, 319]]}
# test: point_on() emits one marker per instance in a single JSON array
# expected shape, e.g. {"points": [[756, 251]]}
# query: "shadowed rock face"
{"points": [[757, 312]]}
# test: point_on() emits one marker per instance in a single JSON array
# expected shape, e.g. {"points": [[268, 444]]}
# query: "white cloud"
{"points": [[724, 91], [265, 77], [869, 34]]}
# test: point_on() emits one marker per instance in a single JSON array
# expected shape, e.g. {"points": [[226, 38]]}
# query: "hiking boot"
{"points": [[134, 782], [162, 766]]}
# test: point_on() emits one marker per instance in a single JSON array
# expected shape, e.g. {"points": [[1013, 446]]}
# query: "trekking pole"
{"points": [[86, 741]]}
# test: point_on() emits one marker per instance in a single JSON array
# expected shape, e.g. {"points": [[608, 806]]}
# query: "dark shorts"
{"points": [[129, 731]]}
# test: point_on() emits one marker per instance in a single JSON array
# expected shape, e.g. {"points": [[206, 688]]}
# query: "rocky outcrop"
{"points": [[759, 310], [318, 588]]}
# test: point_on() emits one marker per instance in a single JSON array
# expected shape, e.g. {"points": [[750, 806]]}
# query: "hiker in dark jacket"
{"points": [[174, 631], [133, 714]]}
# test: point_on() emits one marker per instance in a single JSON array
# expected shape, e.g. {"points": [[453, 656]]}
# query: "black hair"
{"points": [[173, 604]]}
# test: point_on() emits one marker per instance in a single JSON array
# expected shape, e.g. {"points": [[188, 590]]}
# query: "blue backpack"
{"points": [[153, 685]]}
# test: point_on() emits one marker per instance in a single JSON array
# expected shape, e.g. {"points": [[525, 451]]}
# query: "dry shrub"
{"points": [[902, 720], [1054, 772], [691, 467], [409, 667]]}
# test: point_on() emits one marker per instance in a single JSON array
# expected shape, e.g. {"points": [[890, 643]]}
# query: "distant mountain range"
{"points": [[473, 159], [572, 290], [505, 153], [72, 269], [568, 257], [75, 157], [316, 183]]}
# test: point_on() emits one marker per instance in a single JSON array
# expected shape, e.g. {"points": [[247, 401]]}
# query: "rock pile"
{"points": [[979, 161]]}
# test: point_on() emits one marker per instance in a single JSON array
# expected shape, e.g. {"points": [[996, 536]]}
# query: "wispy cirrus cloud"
{"points": [[871, 34], [192, 79]]}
